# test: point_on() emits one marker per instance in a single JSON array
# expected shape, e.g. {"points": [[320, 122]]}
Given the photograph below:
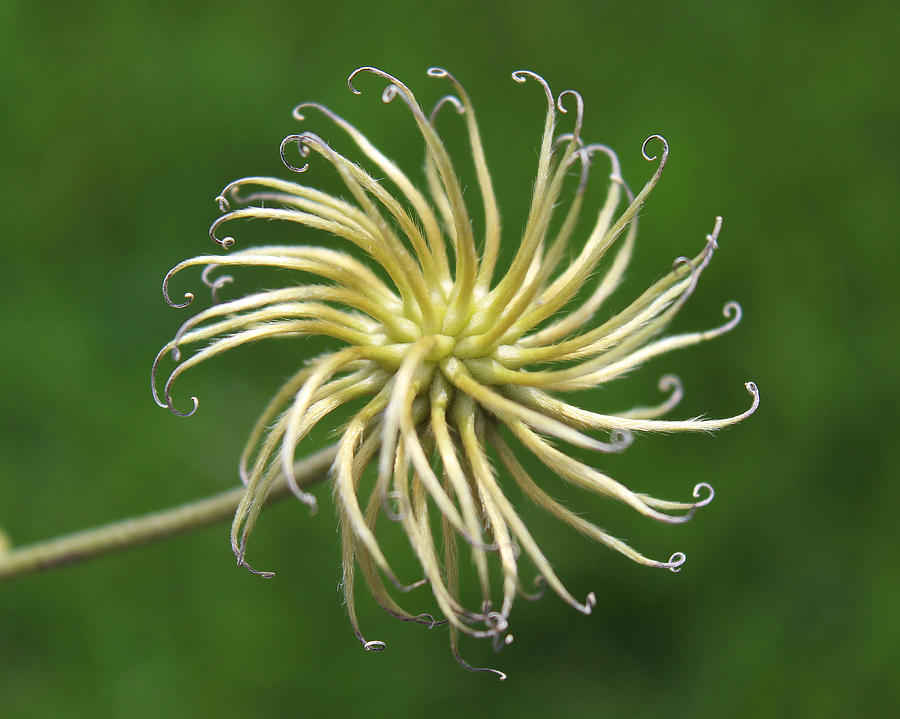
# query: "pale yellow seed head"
{"points": [[448, 363]]}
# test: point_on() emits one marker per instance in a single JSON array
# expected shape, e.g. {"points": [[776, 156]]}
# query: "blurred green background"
{"points": [[122, 121]]}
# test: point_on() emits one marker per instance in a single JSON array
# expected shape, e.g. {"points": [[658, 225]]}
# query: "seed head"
{"points": [[449, 365]]}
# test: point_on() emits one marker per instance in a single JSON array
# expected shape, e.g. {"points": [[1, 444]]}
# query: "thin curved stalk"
{"points": [[129, 533]]}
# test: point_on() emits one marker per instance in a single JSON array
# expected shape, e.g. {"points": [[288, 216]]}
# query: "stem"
{"points": [[129, 533]]}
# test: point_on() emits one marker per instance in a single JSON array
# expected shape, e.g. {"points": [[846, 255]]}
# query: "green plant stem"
{"points": [[129, 533]]}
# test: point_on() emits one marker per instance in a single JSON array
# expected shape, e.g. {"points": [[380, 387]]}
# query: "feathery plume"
{"points": [[449, 362]]}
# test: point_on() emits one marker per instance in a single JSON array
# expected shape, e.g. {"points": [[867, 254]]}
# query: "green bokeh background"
{"points": [[121, 122]]}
